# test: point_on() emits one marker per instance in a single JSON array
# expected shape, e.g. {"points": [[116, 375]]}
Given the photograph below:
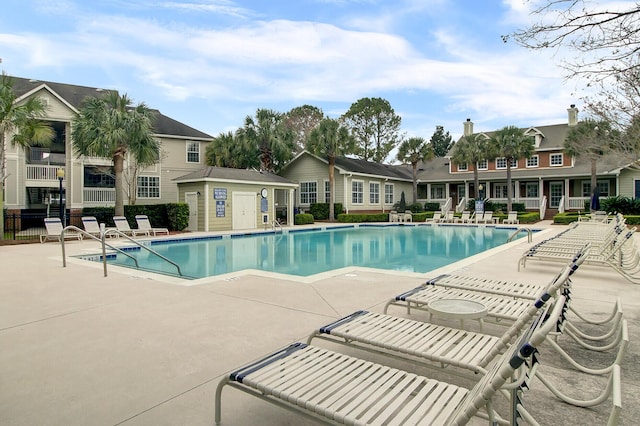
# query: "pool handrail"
{"points": [[104, 244], [529, 234]]}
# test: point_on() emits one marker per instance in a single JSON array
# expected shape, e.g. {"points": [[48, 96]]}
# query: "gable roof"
{"points": [[346, 165], [74, 95], [212, 173], [553, 136]]}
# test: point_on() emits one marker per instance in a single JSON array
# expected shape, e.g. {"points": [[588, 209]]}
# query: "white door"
{"points": [[244, 210], [191, 198]]}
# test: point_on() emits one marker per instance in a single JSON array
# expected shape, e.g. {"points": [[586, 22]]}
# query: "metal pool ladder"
{"points": [[103, 235], [529, 234]]}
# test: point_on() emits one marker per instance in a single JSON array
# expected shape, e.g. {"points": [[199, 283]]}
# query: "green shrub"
{"points": [[364, 217], [320, 211], [632, 219], [158, 215], [565, 218], [303, 219], [415, 208], [102, 214], [177, 216], [421, 217], [431, 207]]}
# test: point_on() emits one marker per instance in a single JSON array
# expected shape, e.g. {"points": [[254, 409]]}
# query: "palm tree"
{"points": [[592, 139], [24, 123], [274, 139], [110, 127], [330, 140], [472, 149], [412, 151], [511, 143], [229, 150]]}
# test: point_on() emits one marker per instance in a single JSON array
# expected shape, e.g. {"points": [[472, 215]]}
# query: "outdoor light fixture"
{"points": [[60, 174]]}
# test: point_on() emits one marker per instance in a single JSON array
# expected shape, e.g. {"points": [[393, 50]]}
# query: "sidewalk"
{"points": [[80, 349]]}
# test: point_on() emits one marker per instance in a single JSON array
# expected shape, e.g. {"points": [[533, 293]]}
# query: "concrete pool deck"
{"points": [[77, 348]]}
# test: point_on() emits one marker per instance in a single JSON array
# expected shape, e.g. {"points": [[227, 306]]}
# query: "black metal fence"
{"points": [[29, 226]]}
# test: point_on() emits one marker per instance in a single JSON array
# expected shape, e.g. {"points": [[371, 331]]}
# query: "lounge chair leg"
{"points": [[218, 401]]}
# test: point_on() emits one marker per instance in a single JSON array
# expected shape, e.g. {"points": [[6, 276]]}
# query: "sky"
{"points": [[210, 63]]}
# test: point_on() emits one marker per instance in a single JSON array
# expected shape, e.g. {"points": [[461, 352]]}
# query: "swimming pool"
{"points": [[417, 248]]}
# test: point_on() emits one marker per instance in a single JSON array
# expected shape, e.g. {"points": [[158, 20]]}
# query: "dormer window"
{"points": [[483, 165], [463, 167], [556, 159]]}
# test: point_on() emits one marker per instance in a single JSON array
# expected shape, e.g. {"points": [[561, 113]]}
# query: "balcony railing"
{"points": [[99, 196], [42, 172]]}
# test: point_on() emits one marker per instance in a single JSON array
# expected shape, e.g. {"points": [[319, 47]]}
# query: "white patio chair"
{"points": [[437, 217], [487, 217], [512, 219], [54, 228], [122, 225], [145, 225], [91, 226], [449, 217], [464, 218]]}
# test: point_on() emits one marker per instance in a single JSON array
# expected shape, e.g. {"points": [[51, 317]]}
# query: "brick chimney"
{"points": [[573, 115], [468, 127]]}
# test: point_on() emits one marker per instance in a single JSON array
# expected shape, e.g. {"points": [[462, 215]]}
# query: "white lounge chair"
{"points": [[145, 225], [437, 217], [435, 345], [91, 226], [122, 225], [501, 307], [512, 219], [54, 228], [449, 217], [337, 388], [464, 218], [487, 217]]}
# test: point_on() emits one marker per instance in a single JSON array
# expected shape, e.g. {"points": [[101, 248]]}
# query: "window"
{"points": [[327, 192], [388, 193], [514, 163], [193, 152], [99, 177], [357, 192], [463, 167], [603, 188], [556, 159], [500, 190], [437, 192], [148, 187], [533, 161], [374, 193], [483, 165], [532, 189], [308, 192], [501, 163]]}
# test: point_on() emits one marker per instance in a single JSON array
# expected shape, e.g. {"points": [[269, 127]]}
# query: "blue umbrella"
{"points": [[595, 201]]}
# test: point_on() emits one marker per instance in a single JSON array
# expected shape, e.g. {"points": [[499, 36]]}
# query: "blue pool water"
{"points": [[308, 252]]}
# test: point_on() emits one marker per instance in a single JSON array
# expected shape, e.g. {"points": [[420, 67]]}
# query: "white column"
{"points": [[290, 215]]}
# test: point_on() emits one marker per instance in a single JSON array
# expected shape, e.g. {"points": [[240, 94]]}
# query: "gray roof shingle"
{"points": [[75, 96], [224, 173]]}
